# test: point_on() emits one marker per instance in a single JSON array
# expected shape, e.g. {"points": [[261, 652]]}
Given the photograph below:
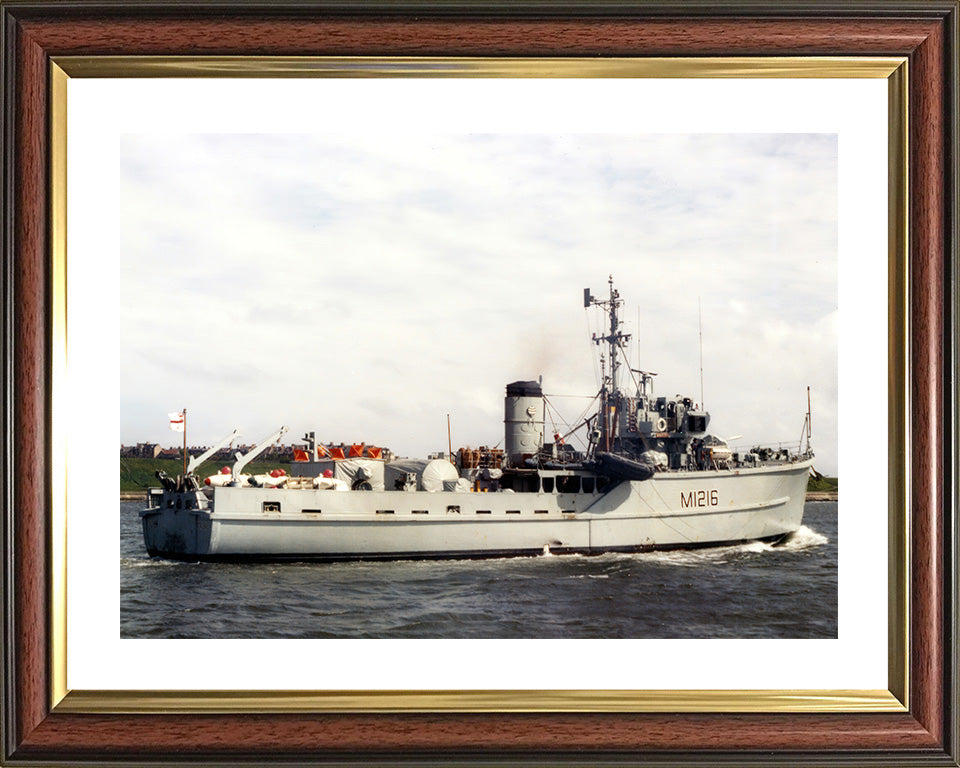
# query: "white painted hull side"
{"points": [[671, 510]]}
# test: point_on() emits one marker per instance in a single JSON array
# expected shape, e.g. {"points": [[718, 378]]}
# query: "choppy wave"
{"points": [[745, 590], [805, 538], [152, 562]]}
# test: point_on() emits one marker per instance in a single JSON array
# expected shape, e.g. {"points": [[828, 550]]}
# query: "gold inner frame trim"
{"points": [[58, 371], [232, 702], [428, 66], [898, 414], [893, 69]]}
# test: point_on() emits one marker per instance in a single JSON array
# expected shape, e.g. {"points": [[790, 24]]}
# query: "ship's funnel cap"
{"points": [[524, 389]]}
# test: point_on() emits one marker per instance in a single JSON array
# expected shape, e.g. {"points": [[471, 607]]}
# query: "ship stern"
{"points": [[176, 525]]}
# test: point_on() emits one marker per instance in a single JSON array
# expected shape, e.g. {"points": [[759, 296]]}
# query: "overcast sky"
{"points": [[366, 286]]}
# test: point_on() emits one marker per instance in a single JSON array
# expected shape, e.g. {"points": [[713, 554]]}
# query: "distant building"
{"points": [[140, 451]]}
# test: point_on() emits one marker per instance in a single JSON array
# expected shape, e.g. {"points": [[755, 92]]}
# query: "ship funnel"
{"points": [[523, 421]]}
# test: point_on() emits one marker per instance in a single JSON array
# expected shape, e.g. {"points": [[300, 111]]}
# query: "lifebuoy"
{"points": [[661, 424]]}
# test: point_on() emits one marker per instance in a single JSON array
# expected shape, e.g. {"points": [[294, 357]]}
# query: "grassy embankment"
{"points": [[822, 488], [136, 475]]}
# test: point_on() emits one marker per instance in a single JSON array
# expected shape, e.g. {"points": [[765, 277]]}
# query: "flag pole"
{"points": [[449, 442], [184, 442]]}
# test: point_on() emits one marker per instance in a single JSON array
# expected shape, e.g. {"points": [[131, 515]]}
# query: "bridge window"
{"points": [[568, 484], [588, 484], [547, 484], [530, 484], [521, 483]]}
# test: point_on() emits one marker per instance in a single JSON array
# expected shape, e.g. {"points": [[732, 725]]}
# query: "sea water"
{"points": [[752, 590]]}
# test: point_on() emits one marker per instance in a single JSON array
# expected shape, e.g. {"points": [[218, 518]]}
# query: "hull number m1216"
{"points": [[709, 498]]}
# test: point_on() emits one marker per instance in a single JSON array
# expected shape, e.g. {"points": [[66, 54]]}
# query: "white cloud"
{"points": [[366, 286]]}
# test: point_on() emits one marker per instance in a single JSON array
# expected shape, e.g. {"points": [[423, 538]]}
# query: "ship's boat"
{"points": [[650, 477]]}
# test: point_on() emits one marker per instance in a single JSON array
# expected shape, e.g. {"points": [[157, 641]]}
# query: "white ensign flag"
{"points": [[176, 422]]}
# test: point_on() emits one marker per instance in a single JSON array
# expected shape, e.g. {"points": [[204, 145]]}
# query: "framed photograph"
{"points": [[369, 219], [429, 233]]}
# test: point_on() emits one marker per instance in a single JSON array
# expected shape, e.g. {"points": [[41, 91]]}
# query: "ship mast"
{"points": [[609, 386]]}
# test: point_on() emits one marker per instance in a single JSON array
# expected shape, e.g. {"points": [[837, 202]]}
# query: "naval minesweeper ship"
{"points": [[651, 478]]}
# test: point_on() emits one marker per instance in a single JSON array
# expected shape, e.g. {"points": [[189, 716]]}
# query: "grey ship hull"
{"points": [[672, 510]]}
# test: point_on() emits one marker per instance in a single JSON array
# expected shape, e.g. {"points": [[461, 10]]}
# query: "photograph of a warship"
{"points": [[652, 477]]}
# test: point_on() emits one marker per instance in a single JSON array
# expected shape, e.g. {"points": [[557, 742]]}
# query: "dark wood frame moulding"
{"points": [[925, 32]]}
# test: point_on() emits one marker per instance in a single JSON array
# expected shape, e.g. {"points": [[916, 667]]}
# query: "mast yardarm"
{"points": [[615, 340]]}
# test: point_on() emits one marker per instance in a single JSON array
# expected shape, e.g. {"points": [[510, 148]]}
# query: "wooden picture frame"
{"points": [[39, 730]]}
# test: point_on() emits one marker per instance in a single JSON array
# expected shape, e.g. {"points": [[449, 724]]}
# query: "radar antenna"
{"points": [[614, 339]]}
